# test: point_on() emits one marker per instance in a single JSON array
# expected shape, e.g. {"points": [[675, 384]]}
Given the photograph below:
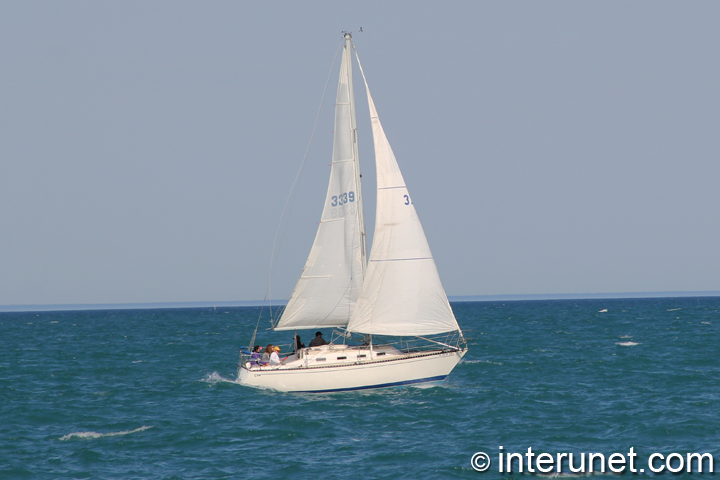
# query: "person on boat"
{"points": [[318, 340], [298, 344], [266, 354], [274, 357], [256, 355]]}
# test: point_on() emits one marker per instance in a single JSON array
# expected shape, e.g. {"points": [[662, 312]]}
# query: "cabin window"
{"points": [[380, 354], [341, 358], [362, 356]]}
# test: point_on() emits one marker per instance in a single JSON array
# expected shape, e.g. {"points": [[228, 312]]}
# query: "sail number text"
{"points": [[342, 199]]}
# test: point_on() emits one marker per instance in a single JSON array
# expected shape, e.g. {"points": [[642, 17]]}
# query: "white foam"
{"points": [[603, 310], [88, 435], [215, 377], [481, 361], [139, 361], [625, 336], [627, 344], [706, 323], [439, 383], [673, 309]]}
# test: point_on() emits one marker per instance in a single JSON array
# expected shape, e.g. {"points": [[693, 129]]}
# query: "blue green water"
{"points": [[151, 394]]}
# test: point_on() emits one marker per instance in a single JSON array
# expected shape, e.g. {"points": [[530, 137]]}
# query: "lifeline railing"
{"points": [[451, 341], [246, 353]]}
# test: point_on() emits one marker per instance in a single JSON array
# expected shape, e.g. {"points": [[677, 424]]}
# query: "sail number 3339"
{"points": [[342, 199]]}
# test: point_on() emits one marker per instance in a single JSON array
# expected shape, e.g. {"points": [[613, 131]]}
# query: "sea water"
{"points": [[151, 394]]}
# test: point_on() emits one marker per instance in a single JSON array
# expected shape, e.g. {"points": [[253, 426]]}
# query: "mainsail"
{"points": [[402, 293], [327, 291]]}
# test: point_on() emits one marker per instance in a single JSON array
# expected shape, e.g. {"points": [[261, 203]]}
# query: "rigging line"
{"points": [[361, 69], [367, 89], [293, 190]]}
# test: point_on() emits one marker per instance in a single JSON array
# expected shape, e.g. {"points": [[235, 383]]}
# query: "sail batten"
{"points": [[400, 259]]}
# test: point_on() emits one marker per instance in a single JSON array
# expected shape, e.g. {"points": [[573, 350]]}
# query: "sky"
{"points": [[147, 149]]}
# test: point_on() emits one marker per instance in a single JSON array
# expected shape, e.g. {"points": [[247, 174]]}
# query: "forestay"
{"points": [[327, 291], [402, 293]]}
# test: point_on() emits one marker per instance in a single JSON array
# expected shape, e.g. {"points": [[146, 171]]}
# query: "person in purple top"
{"points": [[256, 356]]}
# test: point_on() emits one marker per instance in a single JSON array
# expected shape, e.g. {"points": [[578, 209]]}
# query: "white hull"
{"points": [[390, 370]]}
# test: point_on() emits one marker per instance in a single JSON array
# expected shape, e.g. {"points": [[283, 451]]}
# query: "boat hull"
{"points": [[406, 370]]}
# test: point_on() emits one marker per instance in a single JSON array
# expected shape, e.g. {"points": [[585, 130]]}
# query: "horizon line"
{"points": [[280, 303]]}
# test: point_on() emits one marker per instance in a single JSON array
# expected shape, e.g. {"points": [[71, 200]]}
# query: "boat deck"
{"points": [[336, 355]]}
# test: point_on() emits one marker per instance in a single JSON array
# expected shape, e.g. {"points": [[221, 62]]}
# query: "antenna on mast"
{"points": [[345, 32]]}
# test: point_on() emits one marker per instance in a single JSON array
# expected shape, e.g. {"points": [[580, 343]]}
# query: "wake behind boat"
{"points": [[392, 322]]}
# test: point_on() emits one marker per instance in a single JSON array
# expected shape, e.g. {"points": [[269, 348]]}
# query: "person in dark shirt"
{"points": [[298, 344], [318, 340]]}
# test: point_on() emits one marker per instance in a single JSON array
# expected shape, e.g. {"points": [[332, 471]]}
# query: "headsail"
{"points": [[327, 291], [402, 293]]}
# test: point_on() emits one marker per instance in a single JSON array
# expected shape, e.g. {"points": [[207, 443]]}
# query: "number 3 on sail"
{"points": [[390, 319]]}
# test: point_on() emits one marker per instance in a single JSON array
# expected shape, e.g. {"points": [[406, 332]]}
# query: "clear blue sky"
{"points": [[147, 148]]}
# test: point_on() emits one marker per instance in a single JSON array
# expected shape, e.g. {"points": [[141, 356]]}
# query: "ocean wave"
{"points": [[573, 475], [89, 435], [627, 344]]}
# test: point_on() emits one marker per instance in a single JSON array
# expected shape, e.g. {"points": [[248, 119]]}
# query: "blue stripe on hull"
{"points": [[382, 385]]}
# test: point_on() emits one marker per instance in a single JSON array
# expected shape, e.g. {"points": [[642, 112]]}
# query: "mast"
{"points": [[349, 47]]}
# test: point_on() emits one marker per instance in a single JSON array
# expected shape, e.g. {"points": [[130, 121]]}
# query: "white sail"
{"points": [[402, 293], [327, 291]]}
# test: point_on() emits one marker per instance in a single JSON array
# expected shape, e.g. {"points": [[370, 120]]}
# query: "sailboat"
{"points": [[390, 318]]}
